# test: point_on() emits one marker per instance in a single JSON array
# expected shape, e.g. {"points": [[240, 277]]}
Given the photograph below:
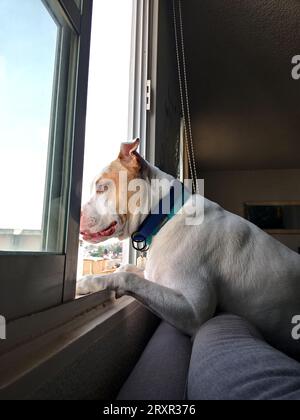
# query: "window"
{"points": [[34, 42], [44, 72], [107, 115], [44, 47]]}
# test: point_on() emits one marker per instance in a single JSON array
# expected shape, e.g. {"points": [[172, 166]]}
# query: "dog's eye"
{"points": [[100, 189]]}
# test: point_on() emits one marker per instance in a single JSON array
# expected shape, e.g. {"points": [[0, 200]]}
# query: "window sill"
{"points": [[71, 328], [25, 329]]}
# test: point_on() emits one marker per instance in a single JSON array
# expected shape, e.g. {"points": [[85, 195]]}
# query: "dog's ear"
{"points": [[128, 150]]}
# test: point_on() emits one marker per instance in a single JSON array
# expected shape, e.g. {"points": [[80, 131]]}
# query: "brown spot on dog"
{"points": [[130, 161]]}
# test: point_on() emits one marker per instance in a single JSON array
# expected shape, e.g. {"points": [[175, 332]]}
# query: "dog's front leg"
{"points": [[166, 303]]}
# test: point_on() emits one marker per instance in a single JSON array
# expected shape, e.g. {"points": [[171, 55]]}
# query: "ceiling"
{"points": [[245, 105]]}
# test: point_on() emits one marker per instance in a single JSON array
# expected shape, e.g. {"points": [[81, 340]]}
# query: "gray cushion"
{"points": [[161, 373], [230, 361]]}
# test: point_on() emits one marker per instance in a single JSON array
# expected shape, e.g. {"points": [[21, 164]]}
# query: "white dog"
{"points": [[225, 263]]}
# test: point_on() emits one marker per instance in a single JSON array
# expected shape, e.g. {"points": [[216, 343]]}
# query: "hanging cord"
{"points": [[184, 95], [187, 98]]}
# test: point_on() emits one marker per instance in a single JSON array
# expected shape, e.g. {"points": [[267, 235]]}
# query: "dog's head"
{"points": [[103, 217]]}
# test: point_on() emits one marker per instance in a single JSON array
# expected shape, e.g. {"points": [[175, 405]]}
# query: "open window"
{"points": [[44, 76], [107, 117]]}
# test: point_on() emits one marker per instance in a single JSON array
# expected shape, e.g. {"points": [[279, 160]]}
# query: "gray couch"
{"points": [[228, 360]]}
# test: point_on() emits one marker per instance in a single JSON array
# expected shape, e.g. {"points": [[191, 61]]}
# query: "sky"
{"points": [[27, 51], [28, 38]]}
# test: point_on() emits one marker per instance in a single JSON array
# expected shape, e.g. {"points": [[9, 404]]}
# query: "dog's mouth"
{"points": [[105, 233]]}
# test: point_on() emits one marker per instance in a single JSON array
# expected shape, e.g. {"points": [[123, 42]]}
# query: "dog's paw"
{"points": [[91, 284], [94, 284]]}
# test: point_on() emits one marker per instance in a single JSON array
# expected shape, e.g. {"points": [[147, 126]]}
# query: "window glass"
{"points": [[32, 42]]}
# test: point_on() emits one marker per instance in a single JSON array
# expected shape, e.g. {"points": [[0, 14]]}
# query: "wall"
{"points": [[86, 358], [100, 372], [231, 189], [164, 127], [245, 103]]}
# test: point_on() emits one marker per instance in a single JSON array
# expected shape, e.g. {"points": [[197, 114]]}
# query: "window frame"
{"points": [[31, 281], [73, 230], [51, 278]]}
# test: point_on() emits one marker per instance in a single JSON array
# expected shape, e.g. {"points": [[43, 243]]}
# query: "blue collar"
{"points": [[166, 209]]}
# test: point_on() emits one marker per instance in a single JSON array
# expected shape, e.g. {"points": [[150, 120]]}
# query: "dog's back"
{"points": [[253, 275]]}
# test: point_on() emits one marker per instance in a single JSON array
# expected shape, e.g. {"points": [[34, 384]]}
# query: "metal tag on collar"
{"points": [[139, 242]]}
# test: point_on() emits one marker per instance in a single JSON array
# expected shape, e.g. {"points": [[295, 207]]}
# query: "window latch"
{"points": [[148, 95]]}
